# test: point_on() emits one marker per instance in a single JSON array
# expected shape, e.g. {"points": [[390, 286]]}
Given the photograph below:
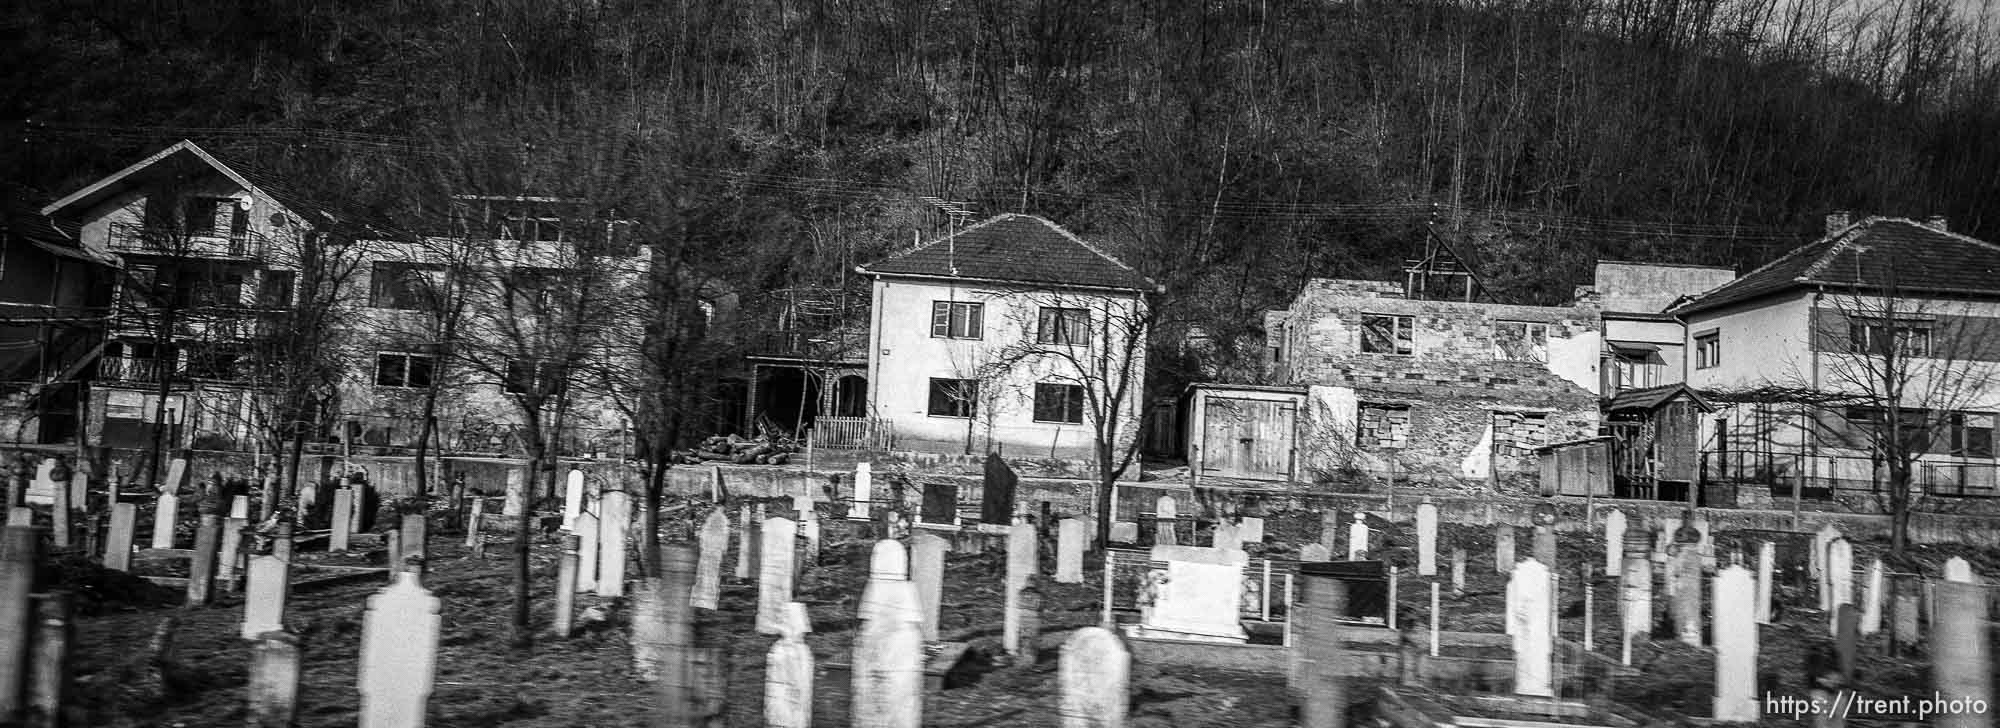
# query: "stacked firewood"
{"points": [[764, 450]]}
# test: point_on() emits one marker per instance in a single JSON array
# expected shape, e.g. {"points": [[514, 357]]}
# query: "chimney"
{"points": [[1838, 220], [1938, 223]]}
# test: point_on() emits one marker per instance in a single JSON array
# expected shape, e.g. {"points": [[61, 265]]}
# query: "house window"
{"points": [[534, 289], [1521, 341], [545, 378], [1388, 334], [1865, 336], [1971, 434], [403, 370], [404, 286], [276, 289], [1519, 433], [217, 362], [1063, 326], [954, 397], [1059, 403], [1382, 426], [1707, 350], [957, 320], [1868, 429], [201, 213]]}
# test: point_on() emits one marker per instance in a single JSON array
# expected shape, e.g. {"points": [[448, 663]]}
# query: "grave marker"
{"points": [[1225, 535], [1125, 532], [1636, 592], [118, 547], [927, 572], [566, 568], [774, 575], [572, 499], [588, 530], [1767, 561], [1250, 530], [1314, 553], [864, 486], [888, 666], [887, 563], [1839, 579], [343, 504], [20, 552], [1357, 537], [1503, 548], [1529, 606], [713, 540], [1684, 568], [1427, 538], [1022, 554], [1614, 541], [614, 523], [1871, 605], [997, 502], [1962, 663], [166, 513], [940, 504], [399, 638], [1095, 673], [788, 673], [1736, 696], [231, 553], [265, 593], [1071, 540], [201, 565], [274, 681], [1165, 514]]}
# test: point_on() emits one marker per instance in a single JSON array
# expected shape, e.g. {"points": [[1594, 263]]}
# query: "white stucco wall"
{"points": [[1761, 344], [903, 357], [1577, 358]]}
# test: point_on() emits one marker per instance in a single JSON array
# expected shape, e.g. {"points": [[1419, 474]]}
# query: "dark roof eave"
{"points": [[865, 270]]}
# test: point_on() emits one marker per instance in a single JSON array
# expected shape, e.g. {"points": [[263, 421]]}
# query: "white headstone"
{"points": [[774, 573], [864, 489], [1250, 530], [747, 543], [239, 507], [166, 515], [1427, 539], [1821, 540], [1313, 553], [264, 596], [1959, 570], [42, 489], [1530, 620], [614, 524], [343, 505], [118, 545], [588, 531], [887, 562], [1022, 561], [1614, 541], [1202, 594], [1767, 563], [927, 551], [1225, 535], [1735, 620], [1164, 508], [1839, 581], [788, 673], [1357, 537], [711, 543], [1071, 539], [1124, 532], [1095, 672], [572, 499], [888, 667], [230, 554], [399, 639]]}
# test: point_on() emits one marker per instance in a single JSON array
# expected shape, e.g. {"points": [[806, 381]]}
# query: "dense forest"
{"points": [[1227, 148]]}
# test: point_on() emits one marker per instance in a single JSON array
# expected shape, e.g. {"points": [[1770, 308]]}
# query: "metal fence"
{"points": [[1818, 476], [1267, 583], [853, 433]]}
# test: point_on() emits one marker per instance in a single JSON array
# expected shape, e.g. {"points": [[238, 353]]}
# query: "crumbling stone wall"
{"points": [[1469, 401]]}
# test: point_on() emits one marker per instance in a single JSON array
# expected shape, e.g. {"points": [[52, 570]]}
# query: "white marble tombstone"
{"points": [[1357, 537], [788, 673], [264, 595], [1023, 560], [399, 640], [1873, 597], [1959, 570], [888, 666], [1427, 539], [1735, 623], [1071, 540], [887, 562], [1250, 530], [1767, 563], [864, 487], [1614, 541], [774, 573], [927, 550], [711, 543], [1530, 617], [1095, 674], [572, 499], [1839, 581], [1314, 553], [614, 524], [1201, 596], [588, 531], [1225, 535], [166, 515], [1165, 514]]}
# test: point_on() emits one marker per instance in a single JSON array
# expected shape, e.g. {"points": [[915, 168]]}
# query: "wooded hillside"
{"points": [[1228, 149]]}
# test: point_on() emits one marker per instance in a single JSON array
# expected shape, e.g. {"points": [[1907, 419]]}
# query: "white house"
{"points": [[1010, 335], [1810, 351]]}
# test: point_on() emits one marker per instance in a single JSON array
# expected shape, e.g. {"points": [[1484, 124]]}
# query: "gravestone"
{"points": [[714, 539], [1962, 661], [1545, 545], [478, 513], [201, 565], [20, 553], [1846, 638], [572, 499], [1457, 570], [1959, 570], [1225, 535], [1357, 537], [1166, 513], [927, 572], [42, 490], [1530, 615], [566, 568], [239, 507], [1125, 532], [887, 563], [1839, 579], [1614, 541], [1427, 539], [1330, 533], [1637, 589], [1684, 569], [1095, 673], [1070, 543], [1904, 628], [588, 530], [788, 673], [274, 681], [118, 546], [1022, 561], [343, 504], [1871, 604], [1199, 595], [774, 573], [997, 496], [1736, 695], [414, 543], [166, 513], [940, 504], [230, 554], [614, 513], [1503, 548], [864, 490], [1767, 560], [808, 520], [1250, 530], [1314, 553], [746, 543], [888, 666], [264, 595], [399, 639], [1822, 539]]}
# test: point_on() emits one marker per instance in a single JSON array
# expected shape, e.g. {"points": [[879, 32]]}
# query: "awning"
{"points": [[65, 251], [1643, 353]]}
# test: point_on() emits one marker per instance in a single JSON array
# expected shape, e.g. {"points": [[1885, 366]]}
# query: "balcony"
{"points": [[164, 241], [120, 369]]}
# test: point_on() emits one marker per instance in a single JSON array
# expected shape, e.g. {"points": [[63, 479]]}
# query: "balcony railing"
{"points": [[118, 369], [853, 433], [1819, 476], [162, 240]]}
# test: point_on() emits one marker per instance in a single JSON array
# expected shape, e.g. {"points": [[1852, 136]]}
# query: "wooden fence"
{"points": [[853, 433]]}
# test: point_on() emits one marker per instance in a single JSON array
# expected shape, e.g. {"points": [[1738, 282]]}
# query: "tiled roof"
{"points": [[1879, 253], [1014, 248], [1650, 397]]}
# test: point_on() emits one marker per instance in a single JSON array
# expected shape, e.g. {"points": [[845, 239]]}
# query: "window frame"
{"points": [[936, 389], [1528, 329], [1864, 334], [407, 366], [946, 323], [1361, 409], [1707, 350], [1402, 333], [389, 283], [1073, 395], [522, 377], [1071, 326]]}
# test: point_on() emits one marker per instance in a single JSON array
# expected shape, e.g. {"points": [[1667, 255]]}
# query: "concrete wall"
{"points": [[1763, 342], [1453, 383], [903, 357], [1650, 287]]}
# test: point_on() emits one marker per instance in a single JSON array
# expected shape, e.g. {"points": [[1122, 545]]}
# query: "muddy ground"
{"points": [[587, 680]]}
